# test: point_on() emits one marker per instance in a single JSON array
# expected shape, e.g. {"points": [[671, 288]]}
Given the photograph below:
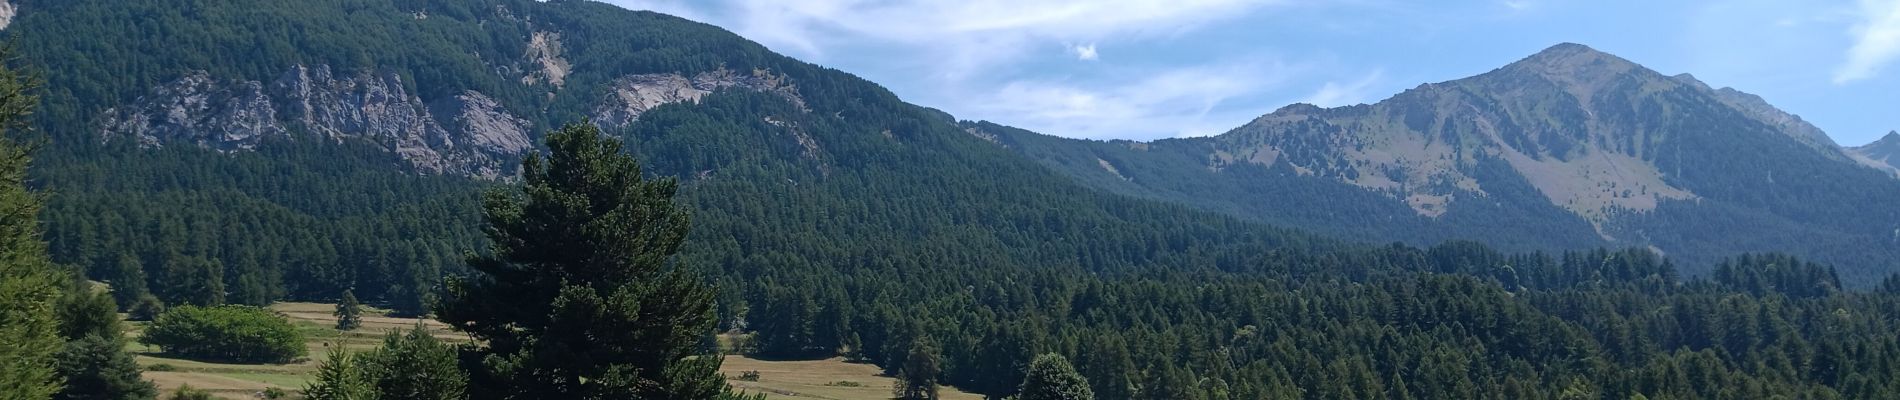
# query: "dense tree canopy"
{"points": [[580, 298]]}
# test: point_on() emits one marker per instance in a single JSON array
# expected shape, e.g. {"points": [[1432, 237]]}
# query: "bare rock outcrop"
{"points": [[464, 134], [633, 95]]}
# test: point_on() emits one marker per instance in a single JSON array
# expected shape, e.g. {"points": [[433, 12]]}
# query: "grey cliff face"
{"points": [[197, 109], [466, 134], [630, 96]]}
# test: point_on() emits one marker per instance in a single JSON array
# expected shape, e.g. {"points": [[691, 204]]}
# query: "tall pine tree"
{"points": [[349, 313], [580, 298], [29, 283]]}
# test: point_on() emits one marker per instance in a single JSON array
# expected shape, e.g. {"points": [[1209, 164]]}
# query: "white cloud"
{"points": [[1877, 41], [984, 59], [1173, 103], [1334, 94], [1085, 52]]}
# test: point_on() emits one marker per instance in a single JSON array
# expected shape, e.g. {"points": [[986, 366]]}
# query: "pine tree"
{"points": [[917, 380], [99, 368], [29, 283], [85, 311], [414, 365], [580, 297], [94, 362], [340, 377], [1050, 377], [349, 313]]}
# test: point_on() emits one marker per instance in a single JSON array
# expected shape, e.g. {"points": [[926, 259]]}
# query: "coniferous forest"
{"points": [[838, 221]]}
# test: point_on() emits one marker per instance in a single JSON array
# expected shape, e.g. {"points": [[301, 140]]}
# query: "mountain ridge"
{"points": [[1565, 143]]}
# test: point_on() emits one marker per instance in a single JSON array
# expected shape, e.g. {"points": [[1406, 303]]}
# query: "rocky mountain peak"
{"points": [[1571, 59]]}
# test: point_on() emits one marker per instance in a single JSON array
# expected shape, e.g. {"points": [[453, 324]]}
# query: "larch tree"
{"points": [[29, 282], [580, 298]]}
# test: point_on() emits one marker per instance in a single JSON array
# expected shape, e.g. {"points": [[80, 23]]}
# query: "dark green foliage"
{"points": [[147, 308], [858, 222], [225, 333], [29, 282], [414, 365], [98, 368], [341, 376], [94, 362], [1050, 377], [84, 311], [186, 392], [349, 313], [580, 298], [917, 379], [410, 365]]}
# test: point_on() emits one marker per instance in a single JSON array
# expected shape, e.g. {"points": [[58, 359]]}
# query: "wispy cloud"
{"points": [[1334, 94], [1877, 41], [1179, 102], [991, 59]]}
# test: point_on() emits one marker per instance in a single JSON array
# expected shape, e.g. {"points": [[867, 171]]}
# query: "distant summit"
{"points": [[1883, 153], [1570, 147]]}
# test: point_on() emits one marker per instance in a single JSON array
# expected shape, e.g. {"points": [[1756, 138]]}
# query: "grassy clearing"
{"points": [[244, 381], [817, 379]]}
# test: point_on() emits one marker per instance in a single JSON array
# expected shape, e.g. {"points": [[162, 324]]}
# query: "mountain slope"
{"points": [[841, 220], [1568, 148], [1881, 153], [280, 174]]}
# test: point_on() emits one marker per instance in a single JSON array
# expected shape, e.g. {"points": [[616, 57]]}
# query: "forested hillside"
{"points": [[1568, 148], [836, 219]]}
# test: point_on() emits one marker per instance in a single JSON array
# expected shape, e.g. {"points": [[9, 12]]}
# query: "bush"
{"points": [[749, 376], [186, 392], [161, 367], [226, 333]]}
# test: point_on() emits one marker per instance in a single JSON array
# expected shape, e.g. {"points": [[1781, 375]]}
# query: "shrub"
{"points": [[186, 392], [226, 333], [749, 376]]}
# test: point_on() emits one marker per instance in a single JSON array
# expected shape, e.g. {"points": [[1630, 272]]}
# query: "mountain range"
{"points": [[1570, 148]]}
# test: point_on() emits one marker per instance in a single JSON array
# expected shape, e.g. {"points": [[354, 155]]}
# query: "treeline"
{"points": [[1437, 323], [301, 221]]}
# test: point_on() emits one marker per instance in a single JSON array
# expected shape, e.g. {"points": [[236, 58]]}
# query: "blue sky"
{"points": [[1147, 69]]}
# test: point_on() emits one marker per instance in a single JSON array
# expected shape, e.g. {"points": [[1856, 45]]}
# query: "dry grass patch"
{"points": [[817, 379]]}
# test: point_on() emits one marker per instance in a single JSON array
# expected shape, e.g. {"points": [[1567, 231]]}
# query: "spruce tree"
{"points": [[29, 283], [579, 297], [1050, 377], [917, 380], [94, 362], [99, 368], [414, 365], [349, 313], [340, 377]]}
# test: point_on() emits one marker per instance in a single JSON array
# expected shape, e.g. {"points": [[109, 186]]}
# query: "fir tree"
{"points": [[340, 377], [94, 362], [580, 298], [349, 313], [29, 283], [99, 368], [1050, 377], [917, 380], [414, 365]]}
